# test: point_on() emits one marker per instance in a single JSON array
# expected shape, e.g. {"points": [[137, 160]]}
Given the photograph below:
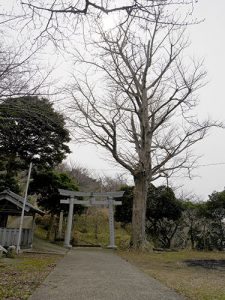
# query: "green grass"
{"points": [[93, 228], [20, 276], [40, 232], [195, 282]]}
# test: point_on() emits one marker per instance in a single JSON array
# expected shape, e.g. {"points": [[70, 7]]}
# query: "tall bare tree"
{"points": [[137, 100], [60, 20]]}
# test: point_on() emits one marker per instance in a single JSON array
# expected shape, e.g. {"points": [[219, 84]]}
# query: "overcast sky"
{"points": [[208, 42]]}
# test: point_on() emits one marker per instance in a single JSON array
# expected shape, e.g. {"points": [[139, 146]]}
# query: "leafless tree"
{"points": [[137, 100], [113, 183], [59, 20], [83, 177], [19, 76], [90, 182]]}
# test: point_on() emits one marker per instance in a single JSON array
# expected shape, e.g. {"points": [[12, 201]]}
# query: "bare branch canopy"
{"points": [[138, 98]]}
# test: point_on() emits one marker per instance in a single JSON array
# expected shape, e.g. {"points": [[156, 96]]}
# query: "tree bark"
{"points": [[192, 238], [138, 238], [51, 223]]}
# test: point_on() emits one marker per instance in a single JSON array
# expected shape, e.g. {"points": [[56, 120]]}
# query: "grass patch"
{"points": [[90, 228], [196, 281], [93, 228], [19, 277], [40, 232]]}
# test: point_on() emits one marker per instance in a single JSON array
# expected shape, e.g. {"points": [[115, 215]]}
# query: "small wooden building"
{"points": [[11, 206]]}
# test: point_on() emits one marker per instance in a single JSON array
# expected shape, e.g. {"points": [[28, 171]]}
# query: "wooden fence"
{"points": [[9, 237]]}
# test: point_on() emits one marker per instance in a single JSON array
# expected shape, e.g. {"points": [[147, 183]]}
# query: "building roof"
{"points": [[17, 202]]}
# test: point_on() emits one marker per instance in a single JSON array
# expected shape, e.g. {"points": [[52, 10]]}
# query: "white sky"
{"points": [[208, 41]]}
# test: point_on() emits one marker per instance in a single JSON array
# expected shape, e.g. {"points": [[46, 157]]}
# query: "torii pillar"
{"points": [[69, 224], [109, 202]]}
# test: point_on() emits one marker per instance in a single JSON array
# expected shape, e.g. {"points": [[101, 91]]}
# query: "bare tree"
{"points": [[80, 7], [113, 183], [90, 182], [82, 176], [19, 76], [22, 71], [59, 20], [137, 100]]}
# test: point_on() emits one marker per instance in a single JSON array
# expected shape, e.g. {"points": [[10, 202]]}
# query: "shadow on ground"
{"points": [[215, 264]]}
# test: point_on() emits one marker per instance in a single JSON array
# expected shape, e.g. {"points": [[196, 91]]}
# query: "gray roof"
{"points": [[18, 201]]}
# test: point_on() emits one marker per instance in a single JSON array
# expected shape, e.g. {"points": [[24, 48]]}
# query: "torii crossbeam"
{"points": [[109, 202]]}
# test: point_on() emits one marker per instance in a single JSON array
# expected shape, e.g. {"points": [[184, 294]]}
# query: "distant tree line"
{"points": [[31, 130], [179, 223]]}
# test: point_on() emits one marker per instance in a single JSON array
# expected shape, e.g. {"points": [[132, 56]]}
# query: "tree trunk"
{"points": [[192, 238], [138, 237], [60, 226], [50, 228], [172, 235]]}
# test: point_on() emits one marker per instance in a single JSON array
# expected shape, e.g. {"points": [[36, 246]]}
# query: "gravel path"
{"points": [[96, 274]]}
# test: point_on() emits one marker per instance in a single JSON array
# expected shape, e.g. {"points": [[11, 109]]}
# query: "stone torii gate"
{"points": [[109, 202]]}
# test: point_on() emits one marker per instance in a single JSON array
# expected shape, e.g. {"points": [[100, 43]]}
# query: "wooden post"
{"points": [[59, 235], [23, 210]]}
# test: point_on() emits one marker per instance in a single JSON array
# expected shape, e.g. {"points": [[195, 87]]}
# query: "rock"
{"points": [[2, 250]]}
